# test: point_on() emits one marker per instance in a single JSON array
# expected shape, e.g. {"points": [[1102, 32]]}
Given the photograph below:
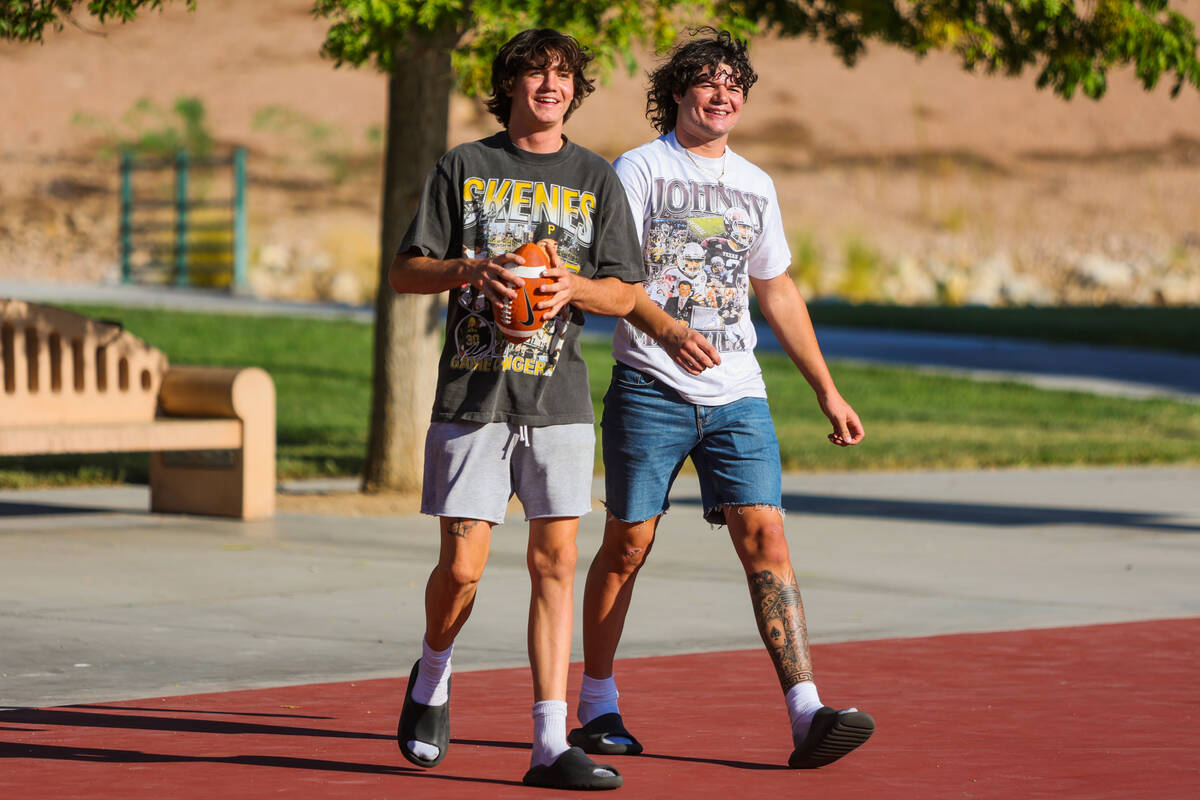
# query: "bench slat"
{"points": [[127, 437]]}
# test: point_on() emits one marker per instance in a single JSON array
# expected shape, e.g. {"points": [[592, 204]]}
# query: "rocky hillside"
{"points": [[901, 180]]}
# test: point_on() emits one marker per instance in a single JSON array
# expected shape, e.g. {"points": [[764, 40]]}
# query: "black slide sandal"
{"points": [[591, 737], [422, 723], [573, 770], [832, 735]]}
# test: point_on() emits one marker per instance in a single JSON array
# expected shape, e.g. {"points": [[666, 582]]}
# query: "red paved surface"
{"points": [[1091, 712]]}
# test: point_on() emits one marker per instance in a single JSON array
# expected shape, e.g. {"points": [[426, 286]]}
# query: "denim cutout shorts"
{"points": [[649, 431]]}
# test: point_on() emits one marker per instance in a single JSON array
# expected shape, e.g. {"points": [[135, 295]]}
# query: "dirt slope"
{"points": [[906, 179]]}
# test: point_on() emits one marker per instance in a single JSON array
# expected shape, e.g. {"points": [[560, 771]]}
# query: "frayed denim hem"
{"points": [[715, 515], [610, 515]]}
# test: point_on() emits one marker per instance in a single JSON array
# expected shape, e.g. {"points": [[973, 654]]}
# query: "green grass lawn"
{"points": [[920, 421], [322, 373]]}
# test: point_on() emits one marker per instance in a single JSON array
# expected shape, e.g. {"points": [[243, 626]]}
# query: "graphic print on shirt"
{"points": [[696, 246], [500, 215]]}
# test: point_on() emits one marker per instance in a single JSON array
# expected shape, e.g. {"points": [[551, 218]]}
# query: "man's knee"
{"points": [[462, 573], [759, 536], [627, 544], [553, 561], [464, 553]]}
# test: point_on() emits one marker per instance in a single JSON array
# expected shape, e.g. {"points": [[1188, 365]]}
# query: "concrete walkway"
{"points": [[1124, 372], [104, 601]]}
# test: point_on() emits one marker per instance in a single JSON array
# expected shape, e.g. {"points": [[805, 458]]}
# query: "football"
{"points": [[519, 319]]}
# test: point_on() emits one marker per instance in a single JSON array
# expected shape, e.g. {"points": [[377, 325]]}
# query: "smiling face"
{"points": [[541, 97], [710, 108]]}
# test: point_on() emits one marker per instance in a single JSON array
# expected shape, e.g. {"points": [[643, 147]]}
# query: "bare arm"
{"points": [[688, 348], [787, 314], [413, 273], [611, 297]]}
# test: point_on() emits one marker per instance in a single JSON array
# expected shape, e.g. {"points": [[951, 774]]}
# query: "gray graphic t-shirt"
{"points": [[489, 197]]}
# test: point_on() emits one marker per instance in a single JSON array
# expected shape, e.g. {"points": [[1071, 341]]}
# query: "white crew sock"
{"points": [[432, 688], [549, 732], [597, 696], [802, 704], [433, 678]]}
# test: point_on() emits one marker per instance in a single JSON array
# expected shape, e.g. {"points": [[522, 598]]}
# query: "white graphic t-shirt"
{"points": [[703, 236]]}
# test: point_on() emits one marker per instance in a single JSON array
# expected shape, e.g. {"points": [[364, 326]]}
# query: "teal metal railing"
{"points": [[173, 231]]}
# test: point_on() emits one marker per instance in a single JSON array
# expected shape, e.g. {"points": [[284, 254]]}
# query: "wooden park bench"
{"points": [[70, 384]]}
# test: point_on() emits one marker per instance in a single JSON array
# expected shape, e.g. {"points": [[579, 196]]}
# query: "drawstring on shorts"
{"points": [[520, 437]]}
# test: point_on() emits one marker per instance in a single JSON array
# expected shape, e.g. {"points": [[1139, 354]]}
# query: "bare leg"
{"points": [[551, 558], [821, 734], [450, 592], [423, 732], [609, 590], [757, 534]]}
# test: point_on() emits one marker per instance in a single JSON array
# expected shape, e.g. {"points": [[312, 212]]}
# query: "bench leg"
{"points": [[229, 483], [224, 483]]}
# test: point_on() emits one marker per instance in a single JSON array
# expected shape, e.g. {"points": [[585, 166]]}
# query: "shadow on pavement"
{"points": [[721, 762], [969, 513], [22, 509], [112, 756], [83, 719]]}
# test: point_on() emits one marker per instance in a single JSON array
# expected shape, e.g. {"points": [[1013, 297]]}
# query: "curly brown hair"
{"points": [[537, 48], [684, 66]]}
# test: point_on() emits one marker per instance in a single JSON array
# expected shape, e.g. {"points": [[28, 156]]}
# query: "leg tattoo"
{"points": [[459, 528], [780, 616]]}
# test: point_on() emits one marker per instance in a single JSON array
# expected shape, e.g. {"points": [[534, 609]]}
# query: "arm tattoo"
{"points": [[780, 616]]}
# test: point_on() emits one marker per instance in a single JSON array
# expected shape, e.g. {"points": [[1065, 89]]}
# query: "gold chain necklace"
{"points": [[720, 179]]}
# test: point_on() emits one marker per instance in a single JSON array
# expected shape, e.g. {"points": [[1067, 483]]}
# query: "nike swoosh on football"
{"points": [[528, 311]]}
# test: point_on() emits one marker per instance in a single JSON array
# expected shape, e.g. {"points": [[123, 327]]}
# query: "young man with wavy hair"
{"points": [[514, 418], [687, 384]]}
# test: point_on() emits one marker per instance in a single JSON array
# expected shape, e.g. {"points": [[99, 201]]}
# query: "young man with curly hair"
{"points": [[688, 384], [514, 418]]}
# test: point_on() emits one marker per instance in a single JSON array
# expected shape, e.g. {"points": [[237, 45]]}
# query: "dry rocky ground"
{"points": [[900, 179]]}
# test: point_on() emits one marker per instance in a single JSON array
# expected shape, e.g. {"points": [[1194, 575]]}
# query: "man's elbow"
{"points": [[399, 273], [627, 299]]}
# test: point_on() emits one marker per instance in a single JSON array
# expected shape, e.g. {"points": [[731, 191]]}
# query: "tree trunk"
{"points": [[407, 326]]}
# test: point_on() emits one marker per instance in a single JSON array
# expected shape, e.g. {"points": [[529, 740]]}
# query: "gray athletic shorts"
{"points": [[473, 469]]}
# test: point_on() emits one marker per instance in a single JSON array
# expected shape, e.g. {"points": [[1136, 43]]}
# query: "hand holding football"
{"points": [[520, 318]]}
